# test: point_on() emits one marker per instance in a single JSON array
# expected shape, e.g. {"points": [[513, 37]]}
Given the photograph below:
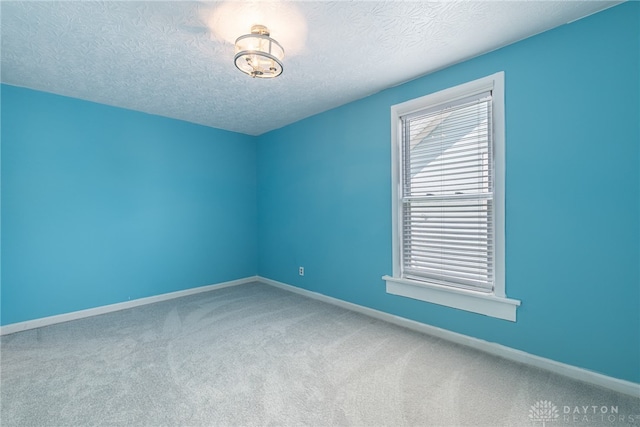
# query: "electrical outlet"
{"points": [[301, 271]]}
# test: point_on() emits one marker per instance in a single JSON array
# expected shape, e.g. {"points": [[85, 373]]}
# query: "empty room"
{"points": [[324, 213]]}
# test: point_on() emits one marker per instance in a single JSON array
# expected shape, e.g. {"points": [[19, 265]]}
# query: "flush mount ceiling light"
{"points": [[258, 55]]}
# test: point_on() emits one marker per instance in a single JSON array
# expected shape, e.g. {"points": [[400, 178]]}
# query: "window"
{"points": [[448, 199]]}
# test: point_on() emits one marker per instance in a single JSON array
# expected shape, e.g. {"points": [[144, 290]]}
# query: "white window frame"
{"points": [[494, 304]]}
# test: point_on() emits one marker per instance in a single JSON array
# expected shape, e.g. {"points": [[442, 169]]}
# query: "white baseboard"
{"points": [[580, 374], [74, 315]]}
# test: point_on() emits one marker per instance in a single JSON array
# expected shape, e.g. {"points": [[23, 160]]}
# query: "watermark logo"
{"points": [[543, 411]]}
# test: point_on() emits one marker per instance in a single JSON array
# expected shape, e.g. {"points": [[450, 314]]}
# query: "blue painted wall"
{"points": [[101, 205], [572, 237]]}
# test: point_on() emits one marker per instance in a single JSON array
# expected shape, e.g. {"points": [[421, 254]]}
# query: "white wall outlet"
{"points": [[301, 271]]}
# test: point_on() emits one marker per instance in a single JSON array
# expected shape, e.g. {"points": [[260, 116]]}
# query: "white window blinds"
{"points": [[447, 194]]}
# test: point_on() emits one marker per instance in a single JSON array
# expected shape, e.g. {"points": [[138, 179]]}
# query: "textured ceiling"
{"points": [[172, 59]]}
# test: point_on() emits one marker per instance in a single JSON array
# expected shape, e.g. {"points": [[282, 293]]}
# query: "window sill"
{"points": [[476, 302]]}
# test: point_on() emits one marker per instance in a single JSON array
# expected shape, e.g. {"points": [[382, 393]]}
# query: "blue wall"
{"points": [[101, 205], [572, 231]]}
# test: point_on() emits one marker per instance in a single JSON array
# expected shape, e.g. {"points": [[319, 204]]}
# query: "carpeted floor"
{"points": [[257, 355]]}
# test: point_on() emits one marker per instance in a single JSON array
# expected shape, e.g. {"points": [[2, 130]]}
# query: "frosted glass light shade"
{"points": [[258, 55]]}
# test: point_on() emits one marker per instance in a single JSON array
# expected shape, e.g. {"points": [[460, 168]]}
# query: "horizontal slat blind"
{"points": [[447, 194]]}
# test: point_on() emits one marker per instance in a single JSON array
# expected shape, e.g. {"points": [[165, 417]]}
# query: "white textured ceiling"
{"points": [[171, 59]]}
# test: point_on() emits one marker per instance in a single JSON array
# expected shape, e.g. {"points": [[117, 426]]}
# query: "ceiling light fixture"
{"points": [[258, 55]]}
